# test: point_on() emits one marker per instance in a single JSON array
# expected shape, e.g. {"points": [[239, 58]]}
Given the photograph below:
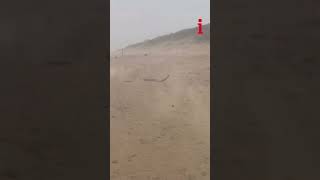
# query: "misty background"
{"points": [[135, 21]]}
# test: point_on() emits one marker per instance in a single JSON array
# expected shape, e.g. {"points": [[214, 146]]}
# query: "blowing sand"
{"points": [[160, 116]]}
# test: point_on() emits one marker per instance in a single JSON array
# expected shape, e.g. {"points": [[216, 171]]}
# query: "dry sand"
{"points": [[160, 116]]}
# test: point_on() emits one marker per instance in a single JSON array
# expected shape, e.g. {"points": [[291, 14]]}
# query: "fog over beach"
{"points": [[159, 90], [160, 108]]}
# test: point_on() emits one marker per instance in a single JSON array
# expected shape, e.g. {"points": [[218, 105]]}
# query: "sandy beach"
{"points": [[160, 115]]}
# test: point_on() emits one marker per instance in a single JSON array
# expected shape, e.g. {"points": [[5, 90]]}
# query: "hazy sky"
{"points": [[132, 21]]}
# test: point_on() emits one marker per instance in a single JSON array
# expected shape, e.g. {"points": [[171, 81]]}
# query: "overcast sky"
{"points": [[133, 21]]}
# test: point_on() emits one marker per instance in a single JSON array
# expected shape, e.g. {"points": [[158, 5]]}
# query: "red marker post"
{"points": [[200, 26]]}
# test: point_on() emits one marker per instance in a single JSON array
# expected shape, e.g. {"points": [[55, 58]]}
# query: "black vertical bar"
{"points": [[266, 90], [54, 89]]}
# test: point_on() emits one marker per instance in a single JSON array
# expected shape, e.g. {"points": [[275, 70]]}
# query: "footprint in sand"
{"points": [[191, 177], [115, 162], [143, 141], [204, 173], [131, 157]]}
